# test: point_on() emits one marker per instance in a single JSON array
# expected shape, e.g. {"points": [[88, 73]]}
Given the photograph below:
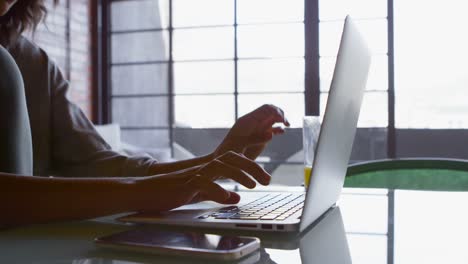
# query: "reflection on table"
{"points": [[368, 226]]}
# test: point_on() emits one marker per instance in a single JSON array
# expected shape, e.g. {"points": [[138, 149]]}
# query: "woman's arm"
{"points": [[31, 199]]}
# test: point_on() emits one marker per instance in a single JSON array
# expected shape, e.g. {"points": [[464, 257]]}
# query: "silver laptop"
{"points": [[294, 211]]}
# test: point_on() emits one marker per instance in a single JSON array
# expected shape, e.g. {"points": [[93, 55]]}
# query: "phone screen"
{"points": [[158, 238]]}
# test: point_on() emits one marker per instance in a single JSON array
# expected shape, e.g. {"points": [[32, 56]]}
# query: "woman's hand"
{"points": [[165, 192], [232, 159], [231, 165], [253, 131]]}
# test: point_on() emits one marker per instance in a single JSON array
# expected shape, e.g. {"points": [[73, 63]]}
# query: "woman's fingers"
{"points": [[277, 130], [243, 163], [230, 165], [233, 198], [272, 114], [264, 137], [218, 168], [213, 192], [236, 167], [256, 127], [260, 138], [269, 114]]}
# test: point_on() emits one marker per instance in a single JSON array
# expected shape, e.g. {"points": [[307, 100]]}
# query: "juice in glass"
{"points": [[307, 174]]}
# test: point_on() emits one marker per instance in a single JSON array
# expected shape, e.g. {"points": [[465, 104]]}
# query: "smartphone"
{"points": [[186, 244]]}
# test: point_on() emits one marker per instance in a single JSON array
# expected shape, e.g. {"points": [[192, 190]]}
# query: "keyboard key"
{"points": [[257, 215], [204, 216], [223, 215], [236, 216], [274, 214], [243, 214], [249, 211], [228, 208], [266, 217]]}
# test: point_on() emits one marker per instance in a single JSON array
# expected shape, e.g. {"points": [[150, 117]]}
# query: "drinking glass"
{"points": [[310, 135]]}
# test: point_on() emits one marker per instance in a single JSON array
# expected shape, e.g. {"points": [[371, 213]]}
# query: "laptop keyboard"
{"points": [[268, 207]]}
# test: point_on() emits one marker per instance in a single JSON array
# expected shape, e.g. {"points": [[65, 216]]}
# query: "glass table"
{"points": [[367, 226]]}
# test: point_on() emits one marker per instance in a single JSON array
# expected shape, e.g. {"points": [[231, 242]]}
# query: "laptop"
{"points": [[295, 211]]}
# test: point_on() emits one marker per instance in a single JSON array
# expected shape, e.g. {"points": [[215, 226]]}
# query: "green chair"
{"points": [[410, 174]]}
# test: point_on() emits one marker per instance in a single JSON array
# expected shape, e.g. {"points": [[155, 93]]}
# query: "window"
{"points": [[431, 110], [431, 62], [139, 71]]}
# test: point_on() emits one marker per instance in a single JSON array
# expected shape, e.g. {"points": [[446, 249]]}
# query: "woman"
{"points": [[44, 134]]}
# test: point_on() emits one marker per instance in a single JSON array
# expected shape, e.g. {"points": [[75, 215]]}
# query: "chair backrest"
{"points": [[410, 174]]}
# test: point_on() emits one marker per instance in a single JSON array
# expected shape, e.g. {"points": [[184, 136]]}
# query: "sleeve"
{"points": [[77, 149]]}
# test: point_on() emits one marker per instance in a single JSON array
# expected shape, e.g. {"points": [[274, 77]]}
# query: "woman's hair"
{"points": [[24, 15]]}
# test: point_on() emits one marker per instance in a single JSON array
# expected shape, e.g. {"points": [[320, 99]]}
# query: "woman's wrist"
{"points": [[160, 192], [133, 193], [170, 167]]}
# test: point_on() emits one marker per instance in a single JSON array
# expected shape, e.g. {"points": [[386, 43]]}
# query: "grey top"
{"points": [[65, 142]]}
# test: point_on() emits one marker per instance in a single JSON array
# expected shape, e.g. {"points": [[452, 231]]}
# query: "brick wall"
{"points": [[66, 37]]}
